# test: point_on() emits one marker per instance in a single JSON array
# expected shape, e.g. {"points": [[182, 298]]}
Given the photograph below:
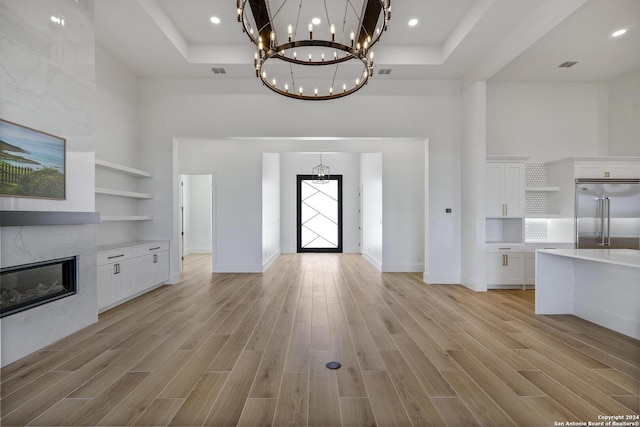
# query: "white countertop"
{"points": [[125, 245], [625, 257]]}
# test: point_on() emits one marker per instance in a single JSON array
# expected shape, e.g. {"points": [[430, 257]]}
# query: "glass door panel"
{"points": [[319, 215]]}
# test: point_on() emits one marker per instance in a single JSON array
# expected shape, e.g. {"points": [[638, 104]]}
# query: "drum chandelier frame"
{"points": [[274, 42]]}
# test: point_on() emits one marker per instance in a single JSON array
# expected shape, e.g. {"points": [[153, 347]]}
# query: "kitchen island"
{"points": [[599, 285]]}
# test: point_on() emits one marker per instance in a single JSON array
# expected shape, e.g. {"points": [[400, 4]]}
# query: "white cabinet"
{"points": [[116, 275], [505, 266], [505, 189], [530, 259], [128, 270], [530, 268], [606, 169], [153, 265]]}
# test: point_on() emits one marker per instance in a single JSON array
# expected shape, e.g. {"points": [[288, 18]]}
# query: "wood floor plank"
{"points": [[507, 375], [12, 401], [192, 370], [160, 412], [415, 400], [197, 405], [499, 391], [292, 405], [411, 354], [299, 354], [146, 392], [581, 385], [559, 364], [454, 412], [32, 373], [565, 397], [324, 404], [477, 400], [110, 374], [229, 406], [350, 380], [632, 385], [385, 402], [95, 410], [59, 414], [50, 396], [356, 411], [267, 383], [258, 412], [430, 378]]}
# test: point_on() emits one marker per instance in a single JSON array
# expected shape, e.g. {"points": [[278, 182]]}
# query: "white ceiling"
{"points": [[511, 40]]}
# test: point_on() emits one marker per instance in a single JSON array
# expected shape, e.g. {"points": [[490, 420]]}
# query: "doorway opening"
{"points": [[319, 219], [196, 236]]}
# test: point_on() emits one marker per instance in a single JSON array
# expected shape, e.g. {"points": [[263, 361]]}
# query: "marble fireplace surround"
{"points": [[29, 237]]}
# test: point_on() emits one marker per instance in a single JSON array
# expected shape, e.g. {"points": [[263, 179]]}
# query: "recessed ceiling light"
{"points": [[413, 22], [57, 20], [316, 21], [215, 20], [618, 33]]}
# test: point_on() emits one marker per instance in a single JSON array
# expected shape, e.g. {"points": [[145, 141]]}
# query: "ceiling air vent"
{"points": [[384, 71], [568, 64], [218, 70]]}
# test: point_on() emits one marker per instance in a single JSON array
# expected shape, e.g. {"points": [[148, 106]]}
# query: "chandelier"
{"points": [[320, 173], [313, 49]]}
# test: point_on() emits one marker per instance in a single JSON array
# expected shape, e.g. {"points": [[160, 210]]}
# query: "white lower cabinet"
{"points": [[128, 270], [505, 267], [530, 268]]}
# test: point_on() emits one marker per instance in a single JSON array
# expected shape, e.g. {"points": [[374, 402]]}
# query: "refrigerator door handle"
{"points": [[601, 213], [608, 203]]}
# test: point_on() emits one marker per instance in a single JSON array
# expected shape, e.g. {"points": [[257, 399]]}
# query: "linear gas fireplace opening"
{"points": [[26, 286]]}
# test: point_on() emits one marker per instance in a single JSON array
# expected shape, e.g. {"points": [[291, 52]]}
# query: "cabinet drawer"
{"points": [[151, 248], [111, 257]]}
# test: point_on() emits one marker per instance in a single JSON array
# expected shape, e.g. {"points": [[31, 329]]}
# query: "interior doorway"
{"points": [[319, 214], [196, 216]]}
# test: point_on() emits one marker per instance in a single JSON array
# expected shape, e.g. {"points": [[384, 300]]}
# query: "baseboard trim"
{"points": [[270, 261], [403, 268], [371, 260]]}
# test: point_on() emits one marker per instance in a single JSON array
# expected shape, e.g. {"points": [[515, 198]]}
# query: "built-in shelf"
{"points": [[542, 189], [103, 164], [127, 218], [112, 192]]}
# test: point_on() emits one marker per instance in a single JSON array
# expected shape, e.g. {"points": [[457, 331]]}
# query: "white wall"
{"points": [[547, 121], [174, 108], [237, 167], [116, 141], [47, 82], [372, 202], [197, 214], [270, 208], [624, 115], [474, 137]]}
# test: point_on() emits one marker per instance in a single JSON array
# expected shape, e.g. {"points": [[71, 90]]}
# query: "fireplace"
{"points": [[26, 286]]}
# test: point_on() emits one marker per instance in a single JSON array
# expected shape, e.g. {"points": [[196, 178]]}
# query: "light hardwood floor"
{"points": [[250, 349]]}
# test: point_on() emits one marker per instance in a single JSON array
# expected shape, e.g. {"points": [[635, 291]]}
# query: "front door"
{"points": [[319, 214]]}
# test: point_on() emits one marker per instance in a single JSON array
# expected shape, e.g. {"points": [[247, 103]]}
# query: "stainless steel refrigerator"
{"points": [[607, 214]]}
